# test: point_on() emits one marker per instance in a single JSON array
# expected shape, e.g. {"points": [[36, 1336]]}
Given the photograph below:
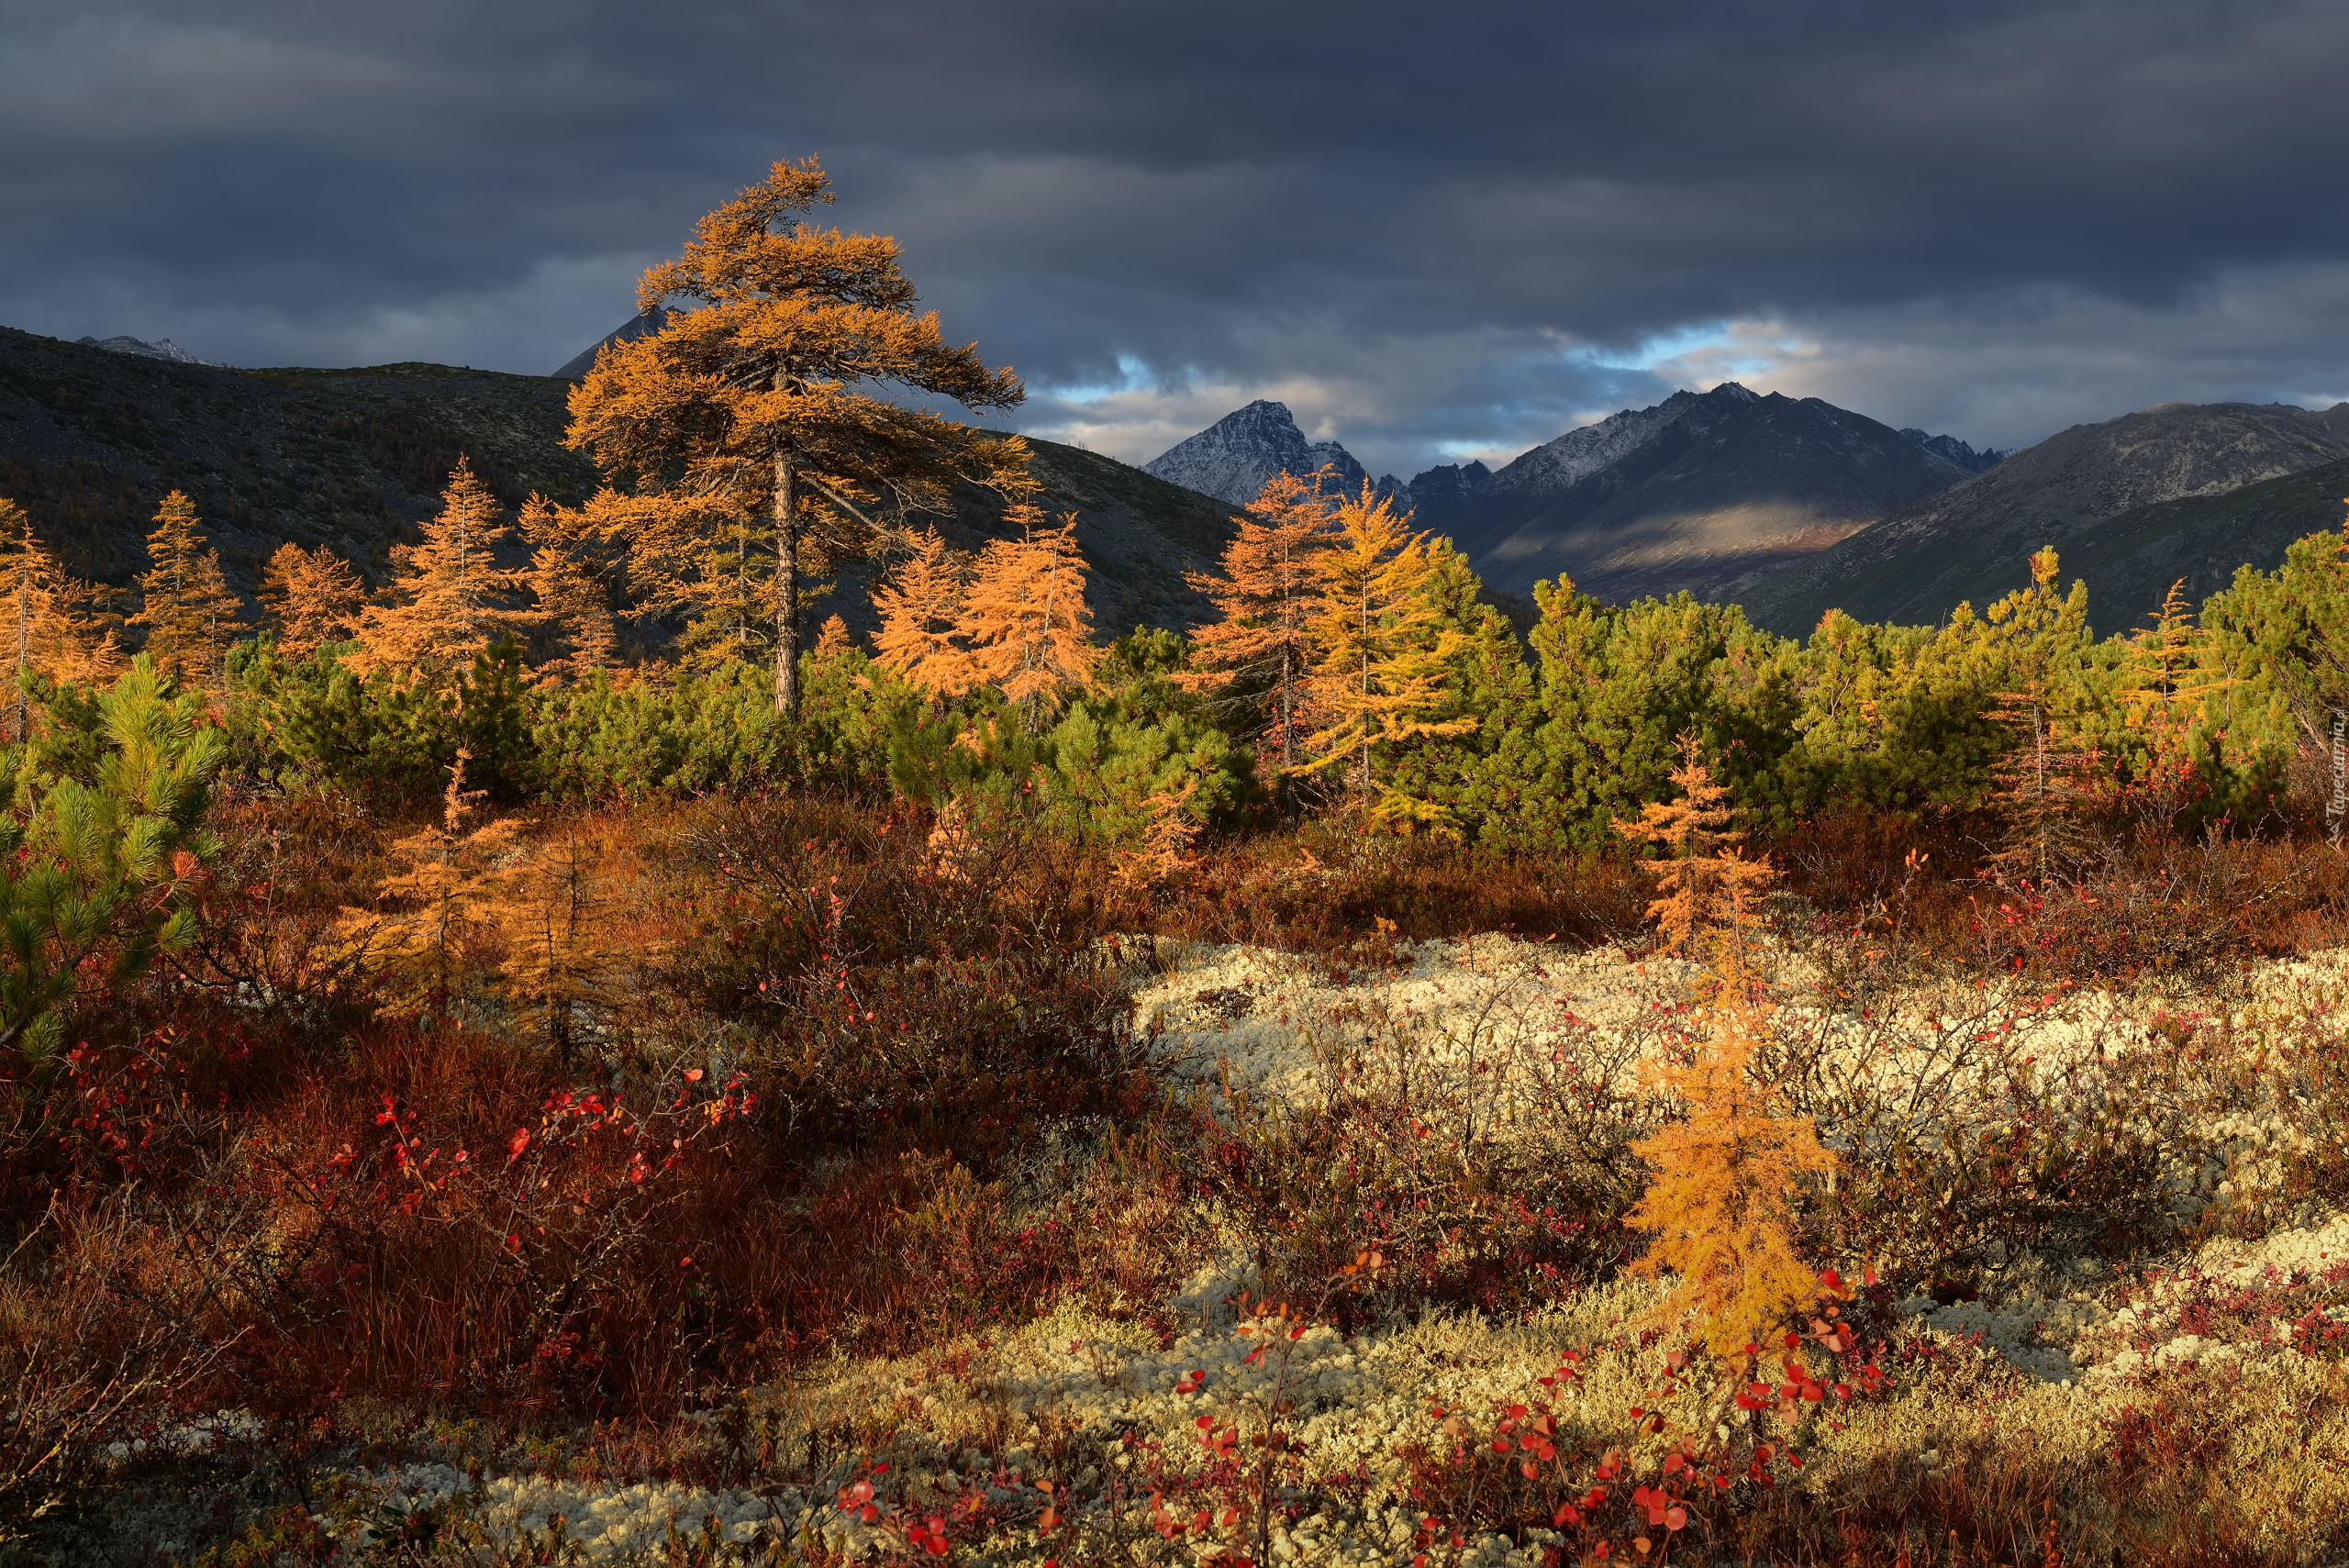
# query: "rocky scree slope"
{"points": [[2094, 491], [161, 348]]}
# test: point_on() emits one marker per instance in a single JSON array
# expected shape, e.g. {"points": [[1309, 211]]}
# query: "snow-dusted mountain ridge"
{"points": [[161, 348], [1579, 453]]}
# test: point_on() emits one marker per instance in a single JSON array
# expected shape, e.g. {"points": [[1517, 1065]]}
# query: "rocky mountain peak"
{"points": [[1582, 452], [1232, 458], [1703, 490], [1957, 451], [1439, 487], [644, 323]]}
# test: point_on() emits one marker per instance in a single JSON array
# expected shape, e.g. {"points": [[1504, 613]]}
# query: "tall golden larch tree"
{"points": [[311, 597], [1025, 620], [566, 944], [725, 588], [921, 614], [769, 395], [2046, 777], [189, 613], [451, 599], [1260, 648], [1383, 652]]}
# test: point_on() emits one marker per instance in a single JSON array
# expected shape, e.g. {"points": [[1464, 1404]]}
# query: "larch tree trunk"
{"points": [[1288, 734], [23, 652], [786, 591]]}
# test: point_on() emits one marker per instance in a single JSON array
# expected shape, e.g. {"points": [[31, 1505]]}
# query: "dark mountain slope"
{"points": [[641, 325], [90, 442], [1974, 542], [1704, 492], [2129, 560]]}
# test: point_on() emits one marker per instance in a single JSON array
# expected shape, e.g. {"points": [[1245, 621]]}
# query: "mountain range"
{"points": [[1232, 458], [1793, 506], [1707, 492]]}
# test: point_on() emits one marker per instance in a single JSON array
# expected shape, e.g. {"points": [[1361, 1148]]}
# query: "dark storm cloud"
{"points": [[1431, 230]]}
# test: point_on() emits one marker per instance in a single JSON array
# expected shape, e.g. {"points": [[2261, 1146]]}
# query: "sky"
{"points": [[1434, 232]]}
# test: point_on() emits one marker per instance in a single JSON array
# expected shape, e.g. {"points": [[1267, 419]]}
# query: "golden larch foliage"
{"points": [[185, 604], [703, 559], [726, 588], [1165, 853], [833, 640], [2168, 685], [1722, 1203], [767, 398], [49, 631], [1381, 643], [557, 904], [1261, 644], [921, 612], [311, 597], [568, 605], [451, 598], [450, 884], [2045, 780], [1704, 885], [1025, 621]]}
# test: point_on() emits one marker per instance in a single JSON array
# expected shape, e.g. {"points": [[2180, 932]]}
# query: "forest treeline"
{"points": [[1352, 673]]}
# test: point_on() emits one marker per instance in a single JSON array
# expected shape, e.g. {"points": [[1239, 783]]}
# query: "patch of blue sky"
{"points": [[1133, 375], [1659, 350]]}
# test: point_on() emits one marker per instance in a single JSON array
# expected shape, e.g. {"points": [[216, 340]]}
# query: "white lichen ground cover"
{"points": [[2259, 1292]]}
